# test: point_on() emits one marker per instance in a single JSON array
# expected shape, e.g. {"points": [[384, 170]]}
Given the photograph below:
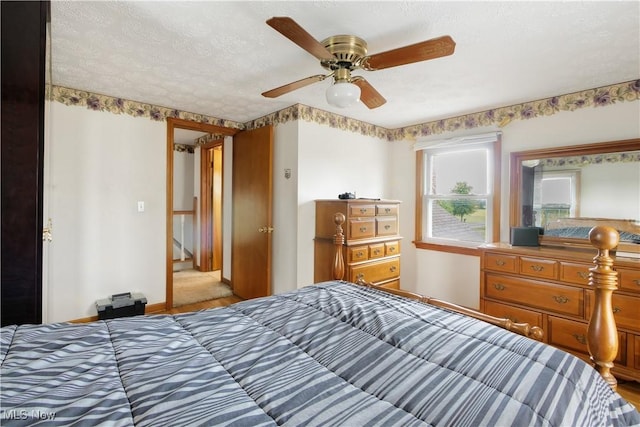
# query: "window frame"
{"points": [[460, 246]]}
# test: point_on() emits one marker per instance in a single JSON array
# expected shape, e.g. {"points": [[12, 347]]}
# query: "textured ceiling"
{"points": [[216, 58]]}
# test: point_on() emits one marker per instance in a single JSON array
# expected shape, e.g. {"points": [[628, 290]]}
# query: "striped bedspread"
{"points": [[330, 354]]}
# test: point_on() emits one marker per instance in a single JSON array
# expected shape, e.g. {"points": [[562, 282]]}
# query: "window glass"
{"points": [[458, 193]]}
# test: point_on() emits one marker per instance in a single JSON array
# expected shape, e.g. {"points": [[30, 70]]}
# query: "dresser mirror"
{"points": [[567, 190]]}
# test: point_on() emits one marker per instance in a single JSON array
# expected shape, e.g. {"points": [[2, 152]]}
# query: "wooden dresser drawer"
{"points": [[629, 280], [376, 251], [500, 262], [357, 253], [573, 336], [575, 273], [391, 210], [362, 210], [362, 228], [386, 225], [547, 296], [539, 268], [377, 271], [392, 248], [626, 309], [515, 314]]}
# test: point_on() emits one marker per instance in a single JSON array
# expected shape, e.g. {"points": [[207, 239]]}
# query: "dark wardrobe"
{"points": [[24, 36]]}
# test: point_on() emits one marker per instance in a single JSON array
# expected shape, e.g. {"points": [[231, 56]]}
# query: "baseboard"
{"points": [[84, 320], [160, 307], [157, 308]]}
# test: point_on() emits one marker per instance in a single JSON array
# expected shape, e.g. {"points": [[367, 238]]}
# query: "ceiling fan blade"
{"points": [[369, 96], [289, 87], [429, 49], [294, 32]]}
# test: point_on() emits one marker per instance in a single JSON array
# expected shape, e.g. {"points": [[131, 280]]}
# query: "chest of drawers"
{"points": [[372, 244], [549, 287]]}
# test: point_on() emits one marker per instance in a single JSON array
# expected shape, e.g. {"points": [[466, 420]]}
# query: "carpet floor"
{"points": [[191, 286]]}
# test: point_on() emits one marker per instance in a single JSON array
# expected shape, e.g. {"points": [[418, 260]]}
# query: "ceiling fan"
{"points": [[343, 54]]}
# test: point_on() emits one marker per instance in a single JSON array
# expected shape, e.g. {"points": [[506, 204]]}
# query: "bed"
{"points": [[329, 354]]}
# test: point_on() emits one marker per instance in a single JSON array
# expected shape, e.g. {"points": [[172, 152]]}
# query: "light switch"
{"points": [[140, 206]]}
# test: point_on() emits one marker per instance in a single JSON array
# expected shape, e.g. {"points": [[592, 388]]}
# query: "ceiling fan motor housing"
{"points": [[347, 50]]}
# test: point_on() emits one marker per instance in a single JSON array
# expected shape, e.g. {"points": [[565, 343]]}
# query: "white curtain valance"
{"points": [[459, 141]]}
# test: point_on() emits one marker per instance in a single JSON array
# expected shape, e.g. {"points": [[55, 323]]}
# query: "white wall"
{"points": [[330, 162], [101, 165], [285, 208], [608, 185], [183, 180]]}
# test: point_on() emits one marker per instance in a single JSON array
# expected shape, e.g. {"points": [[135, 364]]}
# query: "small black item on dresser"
{"points": [[121, 305], [525, 236], [347, 196]]}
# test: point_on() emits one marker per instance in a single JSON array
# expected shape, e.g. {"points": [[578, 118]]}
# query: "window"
{"points": [[459, 191], [558, 197]]}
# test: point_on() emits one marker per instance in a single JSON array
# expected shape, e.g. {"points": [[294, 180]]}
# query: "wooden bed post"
{"points": [[602, 335], [338, 241]]}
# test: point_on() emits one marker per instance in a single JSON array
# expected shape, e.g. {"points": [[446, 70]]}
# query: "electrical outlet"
{"points": [[140, 206]]}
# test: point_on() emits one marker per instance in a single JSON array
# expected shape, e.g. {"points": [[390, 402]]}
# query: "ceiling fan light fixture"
{"points": [[343, 94]]}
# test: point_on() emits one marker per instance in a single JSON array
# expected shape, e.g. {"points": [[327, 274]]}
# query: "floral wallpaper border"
{"points": [[184, 148], [598, 97], [501, 117], [593, 159], [97, 102]]}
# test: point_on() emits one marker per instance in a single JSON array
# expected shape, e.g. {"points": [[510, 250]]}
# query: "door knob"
{"points": [[265, 229]]}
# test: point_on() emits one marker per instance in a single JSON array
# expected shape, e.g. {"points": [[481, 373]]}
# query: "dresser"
{"points": [[372, 245], [548, 287]]}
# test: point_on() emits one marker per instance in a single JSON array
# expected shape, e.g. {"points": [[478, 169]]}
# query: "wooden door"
{"points": [[216, 256], [211, 206], [252, 191]]}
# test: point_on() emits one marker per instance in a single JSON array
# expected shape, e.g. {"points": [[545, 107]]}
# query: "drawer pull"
{"points": [[387, 226], [616, 310], [359, 254], [359, 276], [363, 210], [392, 249], [363, 229], [580, 338], [583, 274], [500, 262], [376, 252], [561, 299], [636, 281], [537, 268], [392, 268], [387, 210], [499, 286]]}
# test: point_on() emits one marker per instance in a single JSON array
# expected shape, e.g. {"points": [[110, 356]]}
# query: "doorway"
{"points": [[188, 214]]}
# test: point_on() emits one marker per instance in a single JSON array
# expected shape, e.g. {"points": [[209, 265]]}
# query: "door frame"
{"points": [[172, 124]]}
